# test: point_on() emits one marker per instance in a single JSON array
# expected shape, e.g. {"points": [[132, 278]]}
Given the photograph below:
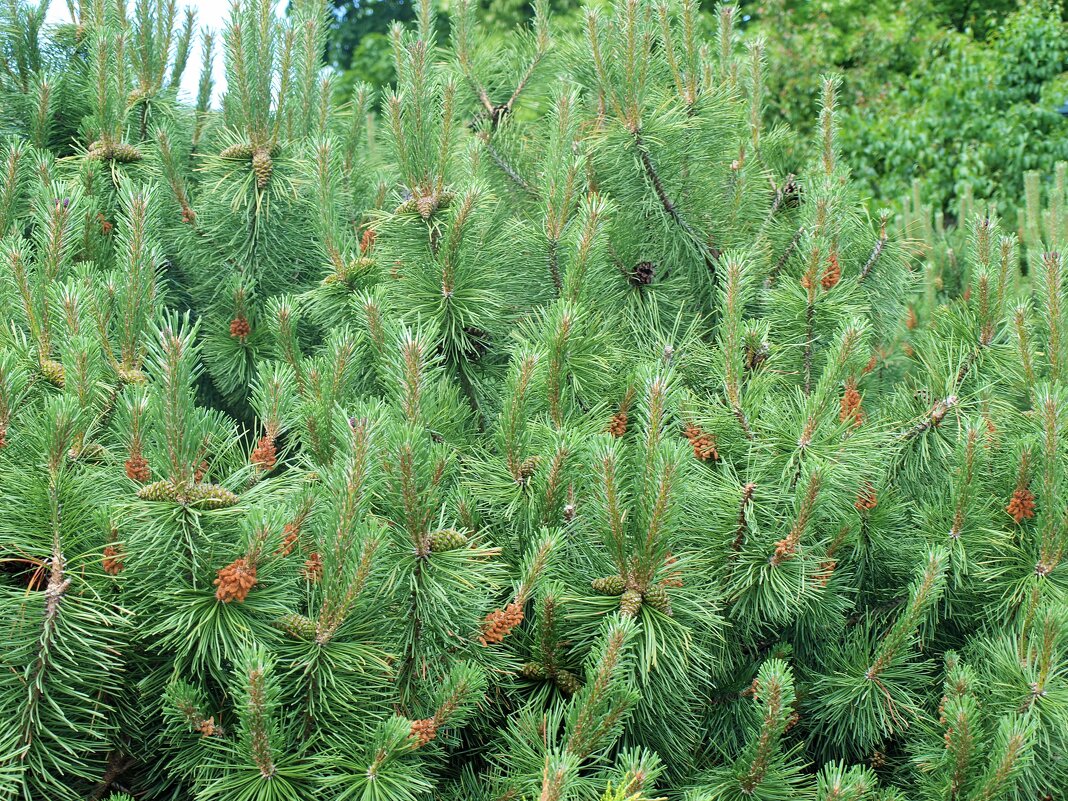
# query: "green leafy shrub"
{"points": [[969, 106]]}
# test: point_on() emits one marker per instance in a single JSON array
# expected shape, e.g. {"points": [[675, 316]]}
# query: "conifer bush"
{"points": [[526, 431]]}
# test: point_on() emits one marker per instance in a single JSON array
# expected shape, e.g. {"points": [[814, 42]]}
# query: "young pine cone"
{"points": [[130, 375], [52, 372], [526, 470], [532, 670], [447, 539], [609, 585], [567, 681], [297, 626], [630, 602], [263, 166], [158, 491], [657, 597], [205, 496], [124, 153], [242, 151], [210, 496], [234, 581]]}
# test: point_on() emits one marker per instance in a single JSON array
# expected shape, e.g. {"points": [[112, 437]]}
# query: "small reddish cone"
{"points": [[265, 455], [423, 731], [866, 498], [200, 472], [114, 560], [367, 241], [234, 581], [850, 405], [137, 468], [826, 570], [644, 272], [207, 727], [704, 445], [1022, 505], [500, 622], [674, 578], [312, 570], [290, 533], [833, 274], [239, 327], [617, 426]]}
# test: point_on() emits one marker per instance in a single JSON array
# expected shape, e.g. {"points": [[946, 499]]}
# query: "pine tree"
{"points": [[541, 427]]}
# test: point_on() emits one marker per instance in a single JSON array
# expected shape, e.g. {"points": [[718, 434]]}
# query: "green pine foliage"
{"points": [[539, 435]]}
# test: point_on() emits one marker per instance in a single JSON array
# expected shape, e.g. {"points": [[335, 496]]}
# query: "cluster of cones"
{"points": [[631, 598]]}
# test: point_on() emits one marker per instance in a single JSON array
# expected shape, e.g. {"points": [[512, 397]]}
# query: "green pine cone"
{"points": [[297, 626], [124, 153], [158, 491], [657, 597], [93, 453], [52, 371], [204, 496], [210, 496], [130, 375], [242, 150], [630, 602], [609, 585], [567, 681], [532, 670], [263, 166], [447, 539]]}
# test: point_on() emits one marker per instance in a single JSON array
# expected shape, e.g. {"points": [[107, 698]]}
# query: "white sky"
{"points": [[209, 13]]}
